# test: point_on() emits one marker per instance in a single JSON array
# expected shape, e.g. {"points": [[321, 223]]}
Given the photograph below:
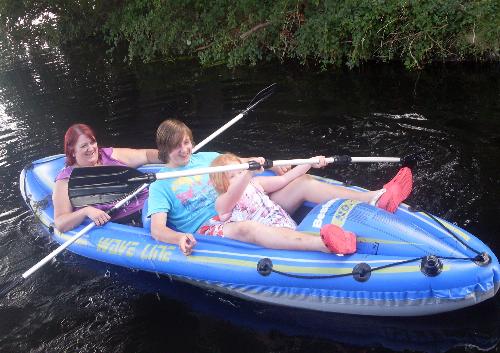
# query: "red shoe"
{"points": [[397, 190], [337, 240]]}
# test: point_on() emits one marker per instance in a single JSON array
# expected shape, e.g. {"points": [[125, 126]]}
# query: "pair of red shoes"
{"points": [[340, 241]]}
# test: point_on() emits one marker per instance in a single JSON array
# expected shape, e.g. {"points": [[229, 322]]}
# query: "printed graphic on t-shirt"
{"points": [[194, 192]]}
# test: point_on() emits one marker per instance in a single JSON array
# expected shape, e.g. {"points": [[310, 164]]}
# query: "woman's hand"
{"points": [[99, 217], [186, 243], [322, 162]]}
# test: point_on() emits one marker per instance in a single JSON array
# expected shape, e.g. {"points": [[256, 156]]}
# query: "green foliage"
{"points": [[245, 32]]}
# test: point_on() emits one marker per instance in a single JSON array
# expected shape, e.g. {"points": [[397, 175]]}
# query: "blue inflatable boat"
{"points": [[406, 264]]}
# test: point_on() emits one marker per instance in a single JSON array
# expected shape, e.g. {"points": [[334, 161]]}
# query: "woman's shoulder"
{"points": [[112, 156], [64, 173], [106, 151]]}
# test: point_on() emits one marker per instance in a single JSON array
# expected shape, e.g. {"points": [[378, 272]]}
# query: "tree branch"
{"points": [[255, 29]]}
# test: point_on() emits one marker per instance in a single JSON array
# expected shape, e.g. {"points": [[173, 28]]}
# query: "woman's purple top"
{"points": [[132, 206]]}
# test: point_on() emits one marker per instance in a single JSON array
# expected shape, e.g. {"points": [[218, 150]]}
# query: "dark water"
{"points": [[74, 304]]}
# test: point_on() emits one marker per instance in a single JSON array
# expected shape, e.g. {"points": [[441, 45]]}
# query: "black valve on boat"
{"points": [[431, 266], [482, 259], [265, 266], [362, 272]]}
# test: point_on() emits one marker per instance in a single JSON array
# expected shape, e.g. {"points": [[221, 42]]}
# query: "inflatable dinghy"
{"points": [[406, 263]]}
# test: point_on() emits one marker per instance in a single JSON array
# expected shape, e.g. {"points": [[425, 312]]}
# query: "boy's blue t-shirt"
{"points": [[188, 201]]}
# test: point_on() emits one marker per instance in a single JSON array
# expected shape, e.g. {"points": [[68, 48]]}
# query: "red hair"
{"points": [[70, 138], [220, 180]]}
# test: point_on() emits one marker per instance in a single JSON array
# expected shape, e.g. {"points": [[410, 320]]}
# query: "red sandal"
{"points": [[337, 240], [397, 190]]}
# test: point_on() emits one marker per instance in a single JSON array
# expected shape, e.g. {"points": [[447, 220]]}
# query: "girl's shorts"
{"points": [[214, 226]]}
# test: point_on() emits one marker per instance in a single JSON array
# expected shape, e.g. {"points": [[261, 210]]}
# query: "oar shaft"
{"points": [[259, 97], [277, 163], [218, 132], [199, 171], [375, 159], [337, 159], [58, 250]]}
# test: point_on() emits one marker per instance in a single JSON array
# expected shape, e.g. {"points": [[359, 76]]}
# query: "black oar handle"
{"points": [[342, 159], [254, 165]]}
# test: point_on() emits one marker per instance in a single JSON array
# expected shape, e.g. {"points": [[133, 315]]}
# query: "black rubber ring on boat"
{"points": [[362, 272], [431, 266], [265, 266], [482, 259]]}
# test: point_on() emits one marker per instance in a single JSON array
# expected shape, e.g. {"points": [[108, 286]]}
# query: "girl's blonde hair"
{"points": [[220, 181]]}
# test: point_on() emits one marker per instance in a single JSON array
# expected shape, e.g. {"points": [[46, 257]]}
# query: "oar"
{"points": [[111, 183], [409, 159], [259, 97], [7, 287]]}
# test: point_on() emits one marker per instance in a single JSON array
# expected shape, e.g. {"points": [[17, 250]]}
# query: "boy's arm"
{"points": [[161, 232]]}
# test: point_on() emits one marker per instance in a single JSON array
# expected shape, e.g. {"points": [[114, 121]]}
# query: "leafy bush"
{"points": [[245, 32]]}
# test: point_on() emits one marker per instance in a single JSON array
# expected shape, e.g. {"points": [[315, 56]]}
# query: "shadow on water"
{"points": [[273, 326], [78, 305]]}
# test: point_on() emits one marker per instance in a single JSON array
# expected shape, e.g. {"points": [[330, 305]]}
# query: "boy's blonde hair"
{"points": [[220, 181], [169, 135]]}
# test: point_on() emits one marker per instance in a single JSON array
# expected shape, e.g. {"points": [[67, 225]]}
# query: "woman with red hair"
{"points": [[81, 149]]}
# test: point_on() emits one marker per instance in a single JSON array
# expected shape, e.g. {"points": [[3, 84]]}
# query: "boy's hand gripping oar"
{"points": [[101, 182]]}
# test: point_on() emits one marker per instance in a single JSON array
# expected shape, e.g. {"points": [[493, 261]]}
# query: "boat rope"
{"points": [[456, 237], [266, 266], [452, 234], [430, 266]]}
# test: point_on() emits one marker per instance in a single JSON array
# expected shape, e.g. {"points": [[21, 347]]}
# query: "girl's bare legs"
{"points": [[273, 237], [306, 188]]}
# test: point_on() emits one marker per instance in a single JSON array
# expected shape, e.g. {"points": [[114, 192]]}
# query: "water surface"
{"points": [[75, 304]]}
